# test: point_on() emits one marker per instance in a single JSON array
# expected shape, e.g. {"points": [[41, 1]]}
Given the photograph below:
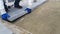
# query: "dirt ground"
{"points": [[44, 20]]}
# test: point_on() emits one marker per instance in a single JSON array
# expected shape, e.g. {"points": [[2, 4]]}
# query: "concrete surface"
{"points": [[44, 20]]}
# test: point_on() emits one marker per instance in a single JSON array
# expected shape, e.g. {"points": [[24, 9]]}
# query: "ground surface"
{"points": [[44, 20]]}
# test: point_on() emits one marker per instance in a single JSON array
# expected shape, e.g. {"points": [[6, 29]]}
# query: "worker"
{"points": [[16, 5]]}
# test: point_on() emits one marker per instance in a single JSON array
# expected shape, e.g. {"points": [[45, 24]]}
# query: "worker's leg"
{"points": [[5, 6], [16, 4]]}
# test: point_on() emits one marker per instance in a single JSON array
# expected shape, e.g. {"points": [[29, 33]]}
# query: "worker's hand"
{"points": [[5, 16]]}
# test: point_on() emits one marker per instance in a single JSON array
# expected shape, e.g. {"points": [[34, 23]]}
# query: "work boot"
{"points": [[18, 7]]}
